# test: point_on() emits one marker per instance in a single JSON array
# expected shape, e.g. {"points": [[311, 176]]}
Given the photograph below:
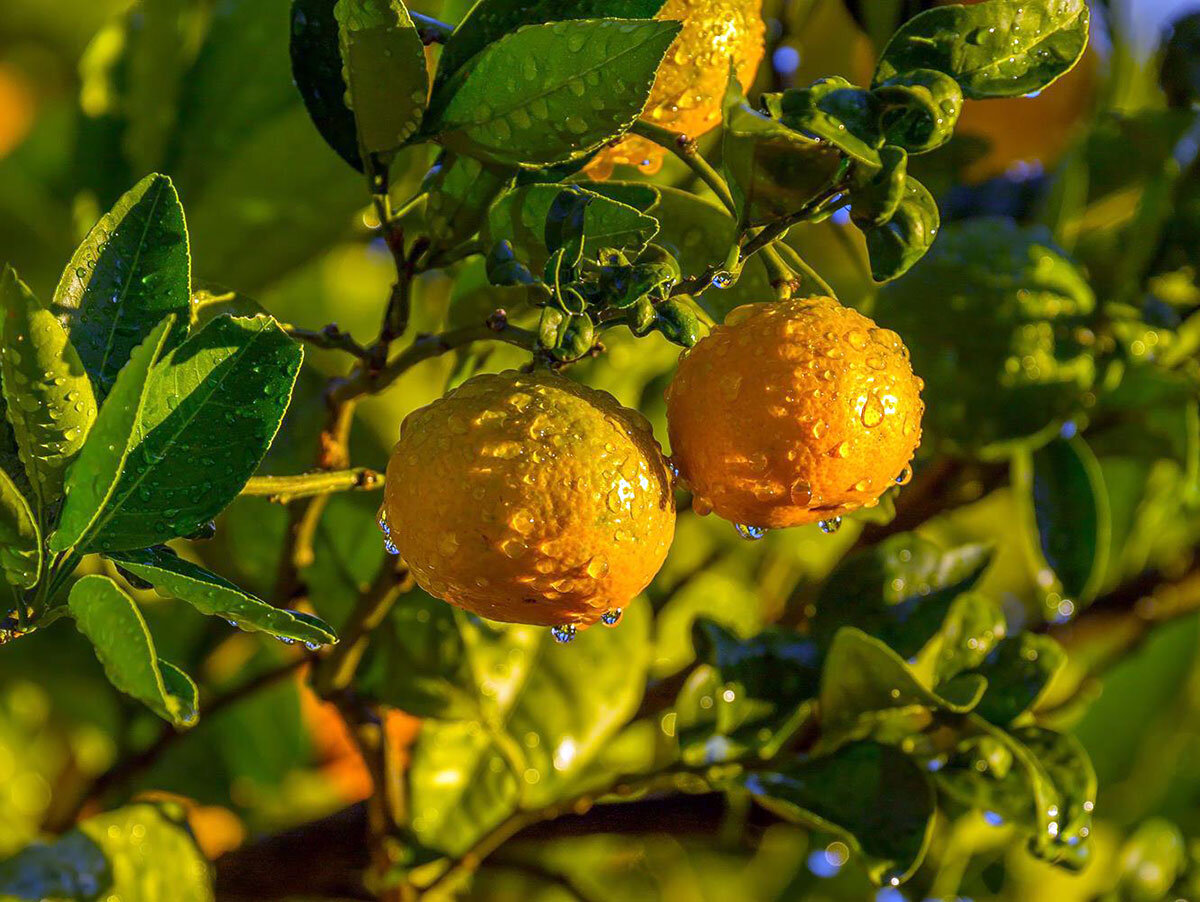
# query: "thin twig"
{"points": [[685, 148], [285, 489], [329, 338], [799, 264]]}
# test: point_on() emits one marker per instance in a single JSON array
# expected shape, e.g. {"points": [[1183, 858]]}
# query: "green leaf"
{"points": [[490, 20], [973, 626], [213, 406], [875, 196], [1067, 764], [459, 191], [211, 594], [868, 690], [549, 709], [870, 795], [999, 48], [1151, 860], [918, 110], [1071, 516], [835, 111], [521, 100], [20, 538], [529, 217], [131, 270], [1018, 671], [759, 693], [1006, 300], [102, 459], [141, 852], [317, 70], [772, 169], [1179, 70], [50, 402], [384, 71], [114, 625], [899, 590], [899, 243]]}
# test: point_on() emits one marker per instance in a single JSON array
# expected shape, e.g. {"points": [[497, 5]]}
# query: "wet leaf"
{"points": [[548, 710], [383, 62], [835, 111], [211, 594], [918, 110], [142, 851], [131, 270], [871, 796], [317, 70], [20, 538], [212, 408], [114, 625], [518, 101], [530, 219], [460, 190], [490, 20], [1018, 671], [50, 404], [102, 459], [999, 48], [875, 196], [1067, 764], [899, 243], [973, 626], [1071, 514]]}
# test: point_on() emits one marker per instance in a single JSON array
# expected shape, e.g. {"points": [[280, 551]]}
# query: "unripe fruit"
{"points": [[530, 498], [793, 412]]}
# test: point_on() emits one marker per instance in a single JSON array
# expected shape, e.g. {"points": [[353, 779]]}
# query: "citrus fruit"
{"points": [[687, 93], [793, 412], [16, 108], [1006, 347], [530, 498]]}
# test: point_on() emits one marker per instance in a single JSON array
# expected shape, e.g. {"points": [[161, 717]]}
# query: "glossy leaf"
{"points": [[875, 196], [548, 709], [211, 594], [1071, 513], [102, 459], [140, 852], [518, 101], [870, 795], [918, 110], [899, 590], [20, 538], [317, 70], [772, 169], [1018, 671], [113, 624], [383, 62], [835, 111], [973, 626], [1066, 762], [490, 20], [868, 690], [526, 218], [459, 191], [760, 692], [50, 404], [899, 243], [998, 48], [131, 270], [213, 407]]}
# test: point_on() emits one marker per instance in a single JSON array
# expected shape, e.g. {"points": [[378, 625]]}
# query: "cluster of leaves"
{"points": [[129, 424]]}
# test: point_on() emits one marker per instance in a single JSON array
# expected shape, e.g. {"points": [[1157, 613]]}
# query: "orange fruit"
{"points": [[17, 105], [690, 85], [793, 412], [529, 498]]}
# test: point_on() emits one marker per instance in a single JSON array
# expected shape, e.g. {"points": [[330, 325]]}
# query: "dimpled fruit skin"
{"points": [[792, 412], [691, 81], [529, 498]]}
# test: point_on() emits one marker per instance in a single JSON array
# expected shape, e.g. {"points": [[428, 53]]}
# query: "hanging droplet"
{"points": [[564, 633], [750, 533], [611, 617], [722, 279], [905, 475], [286, 640], [830, 526], [389, 546], [312, 646]]}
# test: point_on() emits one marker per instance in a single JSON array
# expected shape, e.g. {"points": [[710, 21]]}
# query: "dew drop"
{"points": [[611, 617], [750, 533], [564, 633], [830, 526]]}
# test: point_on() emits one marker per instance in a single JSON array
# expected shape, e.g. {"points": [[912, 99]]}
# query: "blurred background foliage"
{"points": [[1101, 166]]}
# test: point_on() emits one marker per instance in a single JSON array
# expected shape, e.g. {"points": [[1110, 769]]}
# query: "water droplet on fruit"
{"points": [[750, 533], [611, 617], [564, 633], [830, 526]]}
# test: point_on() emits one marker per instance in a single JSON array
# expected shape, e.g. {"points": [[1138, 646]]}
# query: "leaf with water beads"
{"points": [[20, 538], [132, 270], [999, 48], [317, 71], [113, 624], [549, 94], [894, 246], [49, 399], [211, 594]]}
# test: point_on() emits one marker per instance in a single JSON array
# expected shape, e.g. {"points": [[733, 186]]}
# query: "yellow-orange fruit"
{"points": [[530, 498], [17, 107], [792, 412], [689, 88]]}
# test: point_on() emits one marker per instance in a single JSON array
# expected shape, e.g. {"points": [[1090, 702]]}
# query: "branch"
{"points": [[685, 149], [330, 338], [285, 489]]}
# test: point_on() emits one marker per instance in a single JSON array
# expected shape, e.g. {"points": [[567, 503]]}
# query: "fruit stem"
{"points": [[685, 149], [800, 265], [284, 489]]}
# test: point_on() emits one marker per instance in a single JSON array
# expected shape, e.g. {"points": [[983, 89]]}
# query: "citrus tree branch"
{"points": [[686, 150], [285, 489]]}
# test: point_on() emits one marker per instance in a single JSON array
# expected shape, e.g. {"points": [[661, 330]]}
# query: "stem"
{"points": [[284, 489], [330, 338], [798, 263], [57, 821], [337, 668], [780, 227], [685, 148]]}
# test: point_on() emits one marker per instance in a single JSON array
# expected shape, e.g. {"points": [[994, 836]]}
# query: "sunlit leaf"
{"points": [[20, 538], [903, 240], [1018, 671]]}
